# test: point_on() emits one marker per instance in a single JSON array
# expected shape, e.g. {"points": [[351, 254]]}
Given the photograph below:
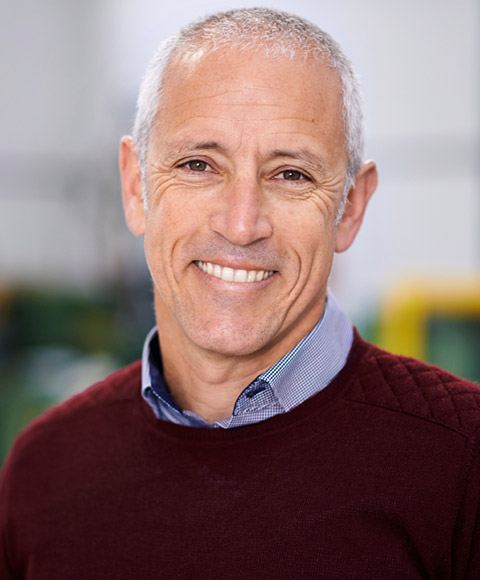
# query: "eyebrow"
{"points": [[180, 147], [300, 154]]}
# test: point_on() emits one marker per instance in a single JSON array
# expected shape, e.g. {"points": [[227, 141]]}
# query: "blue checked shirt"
{"points": [[304, 371]]}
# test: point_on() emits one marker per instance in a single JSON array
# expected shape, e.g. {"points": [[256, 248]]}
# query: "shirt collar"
{"points": [[315, 361], [306, 369]]}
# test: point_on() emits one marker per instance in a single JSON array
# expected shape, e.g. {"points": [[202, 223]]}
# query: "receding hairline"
{"points": [[193, 57], [282, 31], [196, 45]]}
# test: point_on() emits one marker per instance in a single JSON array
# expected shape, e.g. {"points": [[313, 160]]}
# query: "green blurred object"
{"points": [[18, 408], [454, 344], [54, 343], [84, 322]]}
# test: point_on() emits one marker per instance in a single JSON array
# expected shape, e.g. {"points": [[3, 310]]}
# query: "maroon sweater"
{"points": [[375, 477]]}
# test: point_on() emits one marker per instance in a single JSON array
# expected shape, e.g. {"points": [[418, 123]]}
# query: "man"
{"points": [[260, 436]]}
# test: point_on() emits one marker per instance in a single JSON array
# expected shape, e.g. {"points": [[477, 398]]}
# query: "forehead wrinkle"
{"points": [[194, 117], [308, 120], [229, 119], [229, 104], [179, 104], [217, 94], [197, 99], [181, 145]]}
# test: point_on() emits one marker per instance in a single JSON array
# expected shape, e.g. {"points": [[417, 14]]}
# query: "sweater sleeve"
{"points": [[5, 565], [466, 549]]}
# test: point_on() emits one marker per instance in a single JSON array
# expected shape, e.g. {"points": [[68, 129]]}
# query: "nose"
{"points": [[241, 215]]}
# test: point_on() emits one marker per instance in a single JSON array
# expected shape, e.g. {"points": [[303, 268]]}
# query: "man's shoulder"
{"points": [[96, 404], [116, 388], [417, 389]]}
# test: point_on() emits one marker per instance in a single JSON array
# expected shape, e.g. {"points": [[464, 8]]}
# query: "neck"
{"points": [[204, 384], [209, 383]]}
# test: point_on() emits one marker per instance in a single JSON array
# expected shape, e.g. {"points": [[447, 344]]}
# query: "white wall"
{"points": [[70, 72]]}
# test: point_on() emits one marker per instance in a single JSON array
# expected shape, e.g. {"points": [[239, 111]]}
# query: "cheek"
{"points": [[315, 251], [170, 222], [158, 232], [164, 212], [176, 207], [311, 235]]}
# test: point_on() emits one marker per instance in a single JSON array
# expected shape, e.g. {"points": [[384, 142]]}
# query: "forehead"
{"points": [[267, 95]]}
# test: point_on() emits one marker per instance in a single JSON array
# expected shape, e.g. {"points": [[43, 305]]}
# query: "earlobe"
{"points": [[132, 188], [358, 198]]}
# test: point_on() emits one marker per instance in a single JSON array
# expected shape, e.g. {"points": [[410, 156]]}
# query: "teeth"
{"points": [[231, 275], [240, 276], [227, 274]]}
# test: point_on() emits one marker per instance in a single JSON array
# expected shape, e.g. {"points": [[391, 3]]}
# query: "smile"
{"points": [[231, 274]]}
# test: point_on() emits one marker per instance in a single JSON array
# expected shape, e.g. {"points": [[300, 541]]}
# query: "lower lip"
{"points": [[234, 285]]}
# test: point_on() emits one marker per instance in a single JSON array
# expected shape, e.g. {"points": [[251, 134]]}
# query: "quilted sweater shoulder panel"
{"points": [[409, 386]]}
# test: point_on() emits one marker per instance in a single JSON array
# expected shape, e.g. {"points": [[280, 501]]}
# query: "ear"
{"points": [[132, 188], [357, 201]]}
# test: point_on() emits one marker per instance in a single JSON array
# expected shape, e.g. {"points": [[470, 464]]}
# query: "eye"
{"points": [[197, 165], [292, 175]]}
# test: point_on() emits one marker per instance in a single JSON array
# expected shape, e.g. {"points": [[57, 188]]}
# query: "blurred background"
{"points": [[75, 298]]}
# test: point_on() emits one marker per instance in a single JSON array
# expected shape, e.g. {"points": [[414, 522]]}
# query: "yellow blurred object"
{"points": [[407, 310]]}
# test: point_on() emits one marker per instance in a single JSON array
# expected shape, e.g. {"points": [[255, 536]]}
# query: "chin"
{"points": [[233, 342]]}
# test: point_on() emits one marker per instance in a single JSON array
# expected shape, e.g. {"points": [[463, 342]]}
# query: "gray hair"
{"points": [[278, 34]]}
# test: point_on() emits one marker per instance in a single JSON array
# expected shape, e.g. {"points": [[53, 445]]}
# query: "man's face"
{"points": [[245, 173]]}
